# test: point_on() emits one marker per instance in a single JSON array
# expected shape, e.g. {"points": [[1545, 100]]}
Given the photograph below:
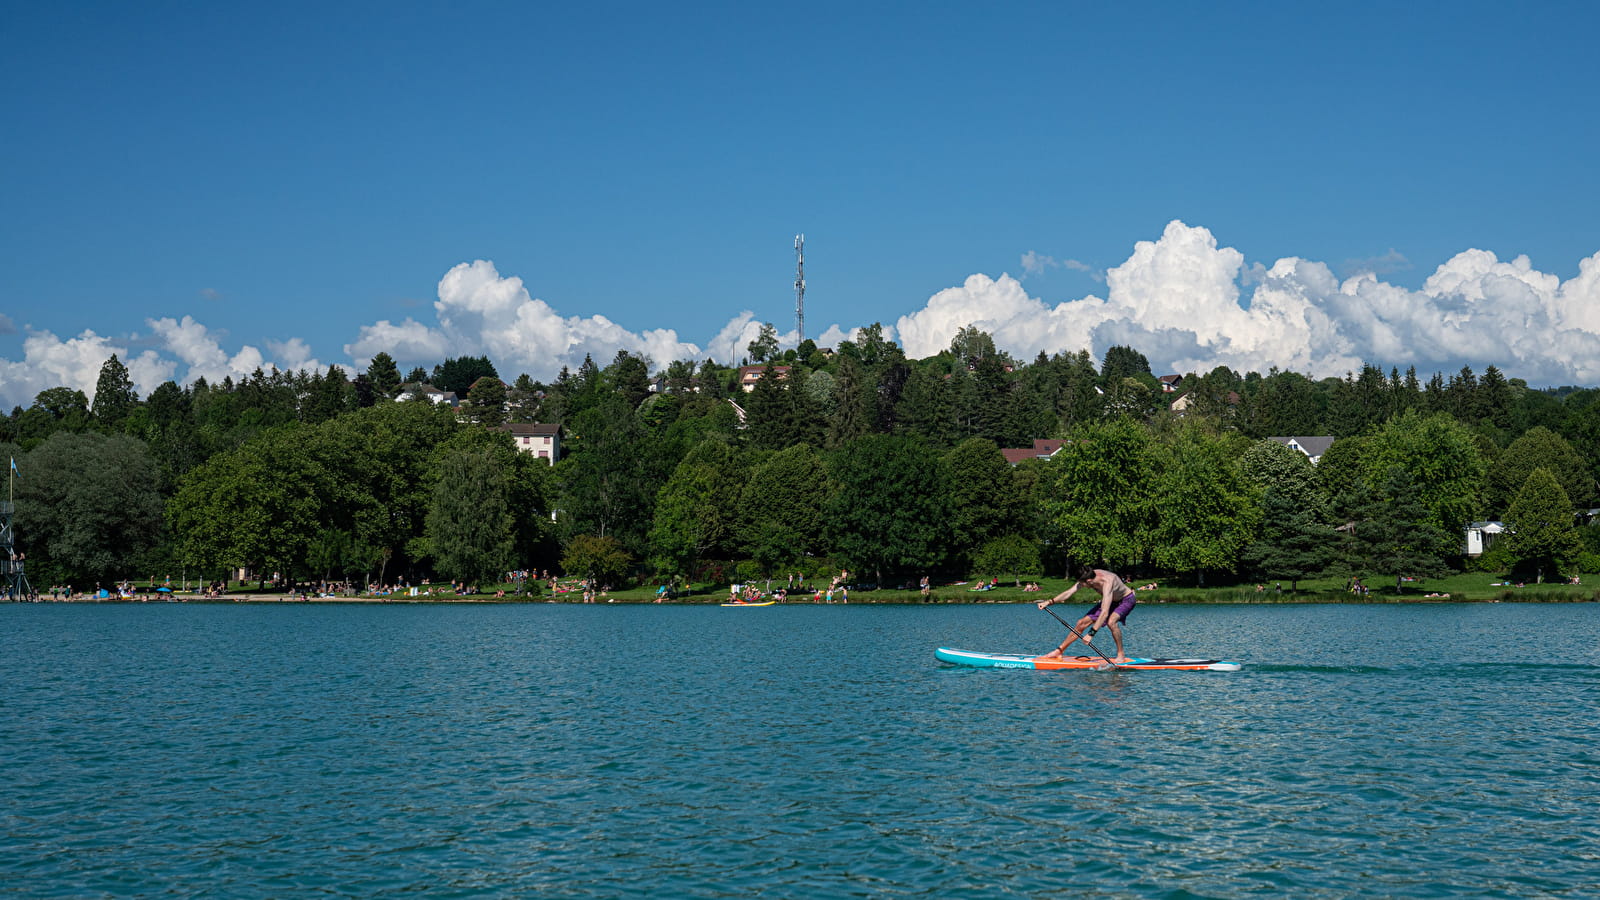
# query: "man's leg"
{"points": [[1115, 622]]}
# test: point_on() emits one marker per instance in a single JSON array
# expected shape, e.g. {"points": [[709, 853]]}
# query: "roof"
{"points": [[750, 373], [531, 429], [1043, 448], [1313, 446]]}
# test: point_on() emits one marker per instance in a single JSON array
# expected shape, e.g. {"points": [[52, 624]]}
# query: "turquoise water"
{"points": [[803, 751]]}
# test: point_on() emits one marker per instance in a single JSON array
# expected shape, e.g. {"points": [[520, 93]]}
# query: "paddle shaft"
{"points": [[1085, 640]]}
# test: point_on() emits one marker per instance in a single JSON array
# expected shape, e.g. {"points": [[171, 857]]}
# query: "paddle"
{"points": [[1083, 638]]}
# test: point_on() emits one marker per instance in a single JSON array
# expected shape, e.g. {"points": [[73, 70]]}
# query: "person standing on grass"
{"points": [[1116, 602]]}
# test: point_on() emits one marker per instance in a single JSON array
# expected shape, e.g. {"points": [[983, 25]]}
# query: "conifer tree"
{"points": [[1542, 539], [114, 396], [487, 401], [384, 376]]}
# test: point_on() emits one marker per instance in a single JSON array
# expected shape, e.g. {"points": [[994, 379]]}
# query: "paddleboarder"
{"points": [[1116, 602]]}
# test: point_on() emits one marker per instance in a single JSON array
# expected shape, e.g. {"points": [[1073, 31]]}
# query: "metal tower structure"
{"points": [[800, 288], [13, 580]]}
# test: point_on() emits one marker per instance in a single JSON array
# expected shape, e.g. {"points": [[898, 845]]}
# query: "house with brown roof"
{"points": [[749, 375], [1043, 448], [535, 439]]}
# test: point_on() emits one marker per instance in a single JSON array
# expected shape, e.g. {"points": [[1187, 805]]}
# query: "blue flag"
{"points": [[14, 467]]}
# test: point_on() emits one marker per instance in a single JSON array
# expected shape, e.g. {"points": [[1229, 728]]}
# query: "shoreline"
{"points": [[859, 601]]}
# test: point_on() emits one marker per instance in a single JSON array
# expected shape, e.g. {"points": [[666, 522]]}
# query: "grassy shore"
{"points": [[1476, 587], [1467, 587]]}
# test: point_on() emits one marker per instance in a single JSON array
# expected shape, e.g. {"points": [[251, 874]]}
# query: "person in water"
{"points": [[1116, 602]]}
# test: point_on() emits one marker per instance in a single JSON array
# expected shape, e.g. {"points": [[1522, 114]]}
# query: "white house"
{"points": [[416, 391], [542, 441], [1482, 535], [1312, 447]]}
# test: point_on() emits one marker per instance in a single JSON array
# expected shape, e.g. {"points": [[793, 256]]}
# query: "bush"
{"points": [[599, 558], [1012, 555]]}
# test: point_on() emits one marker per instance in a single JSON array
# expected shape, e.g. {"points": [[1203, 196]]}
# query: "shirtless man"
{"points": [[1116, 602]]}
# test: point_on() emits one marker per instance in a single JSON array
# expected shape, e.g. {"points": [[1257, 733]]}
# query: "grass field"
{"points": [[1464, 587]]}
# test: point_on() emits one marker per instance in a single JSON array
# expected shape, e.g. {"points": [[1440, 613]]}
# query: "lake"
{"points": [[1439, 750]]}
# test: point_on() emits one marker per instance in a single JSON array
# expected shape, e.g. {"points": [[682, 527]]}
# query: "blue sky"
{"points": [[205, 188]]}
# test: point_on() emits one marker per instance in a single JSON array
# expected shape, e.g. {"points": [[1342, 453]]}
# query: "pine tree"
{"points": [[1395, 534], [1542, 538], [384, 376], [487, 401], [850, 414], [114, 396], [767, 419], [1294, 543]]}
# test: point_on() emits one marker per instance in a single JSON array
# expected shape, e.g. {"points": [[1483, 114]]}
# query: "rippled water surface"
{"points": [[802, 751]]}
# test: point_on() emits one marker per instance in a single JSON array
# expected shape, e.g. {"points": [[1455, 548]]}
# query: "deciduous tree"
{"points": [[89, 507], [1096, 493], [469, 523], [1205, 509], [889, 506]]}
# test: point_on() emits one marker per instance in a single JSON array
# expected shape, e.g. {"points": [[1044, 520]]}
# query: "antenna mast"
{"points": [[800, 288]]}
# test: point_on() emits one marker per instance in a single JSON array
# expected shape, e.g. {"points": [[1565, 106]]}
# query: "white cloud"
{"points": [[1385, 264], [732, 343], [1183, 300], [1037, 263], [194, 344], [1178, 300], [410, 341], [480, 312], [75, 363]]}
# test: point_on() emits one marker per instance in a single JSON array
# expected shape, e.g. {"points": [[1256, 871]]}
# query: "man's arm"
{"points": [[1105, 608]]}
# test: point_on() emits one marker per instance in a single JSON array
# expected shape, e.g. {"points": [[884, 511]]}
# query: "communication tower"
{"points": [[800, 288], [13, 580]]}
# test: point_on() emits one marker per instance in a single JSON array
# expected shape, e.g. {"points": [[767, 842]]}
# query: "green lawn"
{"points": [[1467, 586]]}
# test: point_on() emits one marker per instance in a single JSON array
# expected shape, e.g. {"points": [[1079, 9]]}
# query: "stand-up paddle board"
{"points": [[1014, 661], [762, 603]]}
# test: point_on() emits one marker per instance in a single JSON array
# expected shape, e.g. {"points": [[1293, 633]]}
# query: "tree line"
{"points": [[858, 458]]}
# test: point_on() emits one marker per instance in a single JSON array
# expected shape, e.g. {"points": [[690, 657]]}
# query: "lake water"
{"points": [[791, 752]]}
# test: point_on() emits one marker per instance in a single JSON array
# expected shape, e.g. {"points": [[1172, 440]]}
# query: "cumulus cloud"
{"points": [[1186, 301], [75, 363], [194, 344], [1180, 300], [480, 312], [6, 325]]}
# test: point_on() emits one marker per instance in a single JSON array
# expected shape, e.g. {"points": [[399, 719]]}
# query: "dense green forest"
{"points": [[857, 458]]}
